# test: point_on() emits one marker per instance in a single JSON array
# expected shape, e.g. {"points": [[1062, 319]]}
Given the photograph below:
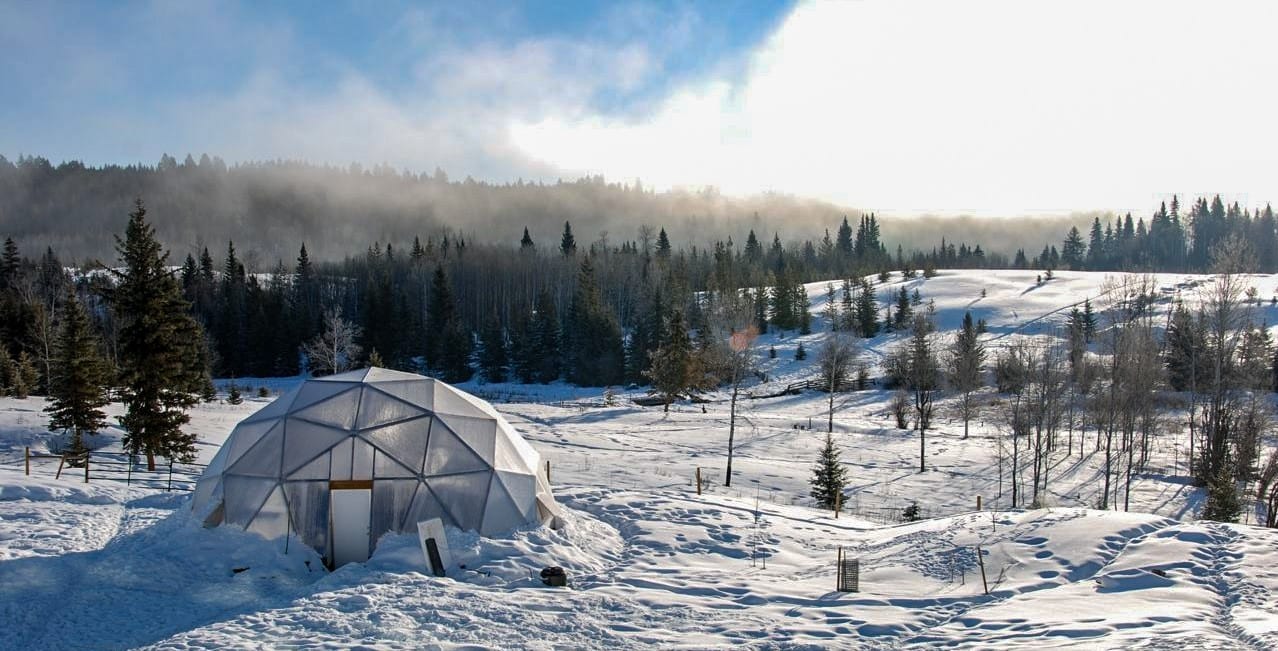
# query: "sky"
{"points": [[987, 107]]}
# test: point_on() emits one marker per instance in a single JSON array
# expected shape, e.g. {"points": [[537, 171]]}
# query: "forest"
{"points": [[655, 311]]}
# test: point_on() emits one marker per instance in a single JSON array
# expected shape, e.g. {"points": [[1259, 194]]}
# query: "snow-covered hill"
{"points": [[108, 566]]}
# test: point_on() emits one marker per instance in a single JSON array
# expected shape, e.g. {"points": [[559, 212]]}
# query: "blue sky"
{"points": [[999, 107], [122, 82]]}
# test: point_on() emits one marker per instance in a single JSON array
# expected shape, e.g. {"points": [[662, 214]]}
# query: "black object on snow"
{"points": [[554, 576]]}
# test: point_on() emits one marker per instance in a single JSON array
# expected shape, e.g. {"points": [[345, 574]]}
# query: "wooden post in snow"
{"points": [[86, 467], [698, 480], [26, 457], [980, 558], [838, 571], [978, 502], [547, 471], [838, 504]]}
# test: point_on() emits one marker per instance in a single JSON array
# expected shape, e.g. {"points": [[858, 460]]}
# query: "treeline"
{"points": [[202, 201], [1170, 241], [590, 313]]}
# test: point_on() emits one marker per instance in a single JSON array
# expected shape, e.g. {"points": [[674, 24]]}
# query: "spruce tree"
{"points": [[454, 360], [867, 310], [441, 311], [77, 379], [158, 348], [525, 242], [663, 245], [233, 395], [675, 368], [1089, 321], [493, 357], [967, 358], [829, 477], [595, 353], [1222, 504], [547, 338], [568, 243]]}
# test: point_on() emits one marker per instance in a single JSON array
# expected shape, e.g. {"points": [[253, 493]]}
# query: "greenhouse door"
{"points": [[349, 521]]}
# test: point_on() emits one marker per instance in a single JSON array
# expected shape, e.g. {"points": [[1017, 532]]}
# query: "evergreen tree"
{"points": [[904, 310], [843, 242], [646, 336], [493, 356], [158, 347], [595, 353], [675, 368], [441, 313], [526, 242], [233, 395], [1074, 250], [568, 243], [967, 359], [1222, 504], [77, 391], [663, 245], [456, 347], [1089, 321], [753, 250], [548, 339], [832, 316], [761, 310], [800, 353], [867, 310], [829, 477], [10, 264]]}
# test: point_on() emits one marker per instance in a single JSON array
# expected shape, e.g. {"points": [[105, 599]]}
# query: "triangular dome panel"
{"points": [[337, 410], [478, 433], [463, 496], [377, 408], [447, 454], [264, 458], [420, 392], [304, 440]]}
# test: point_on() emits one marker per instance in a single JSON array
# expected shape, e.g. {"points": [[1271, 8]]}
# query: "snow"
{"points": [[105, 565]]}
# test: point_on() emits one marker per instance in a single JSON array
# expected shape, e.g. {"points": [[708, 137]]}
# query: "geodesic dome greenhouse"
{"points": [[343, 459]]}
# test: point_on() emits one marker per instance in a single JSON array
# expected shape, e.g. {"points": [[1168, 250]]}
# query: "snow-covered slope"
{"points": [[104, 565]]}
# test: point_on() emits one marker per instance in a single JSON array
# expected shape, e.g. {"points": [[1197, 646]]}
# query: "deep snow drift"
{"points": [[109, 566]]}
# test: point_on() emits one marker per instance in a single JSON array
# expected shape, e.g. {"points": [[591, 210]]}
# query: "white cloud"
{"points": [[996, 106]]}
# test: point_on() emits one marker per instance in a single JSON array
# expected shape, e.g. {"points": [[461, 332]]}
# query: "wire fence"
{"points": [[97, 465]]}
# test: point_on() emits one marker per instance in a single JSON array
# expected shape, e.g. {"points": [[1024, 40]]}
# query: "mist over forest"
{"points": [[270, 208]]}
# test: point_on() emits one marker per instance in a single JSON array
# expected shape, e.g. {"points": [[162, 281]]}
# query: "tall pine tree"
{"points": [[158, 347], [77, 378]]}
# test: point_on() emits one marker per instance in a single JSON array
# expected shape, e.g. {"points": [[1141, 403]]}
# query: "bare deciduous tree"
{"points": [[334, 350], [835, 360]]}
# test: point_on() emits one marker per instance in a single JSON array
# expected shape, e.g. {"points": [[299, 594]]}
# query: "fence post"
{"points": [[980, 558], [547, 471], [698, 480], [170, 487], [86, 467], [26, 457], [838, 504], [838, 571], [978, 502]]}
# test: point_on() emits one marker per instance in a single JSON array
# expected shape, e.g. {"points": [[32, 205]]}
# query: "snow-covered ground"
{"points": [[106, 565]]}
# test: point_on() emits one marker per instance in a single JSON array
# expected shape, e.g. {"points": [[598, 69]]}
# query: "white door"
{"points": [[349, 524]]}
